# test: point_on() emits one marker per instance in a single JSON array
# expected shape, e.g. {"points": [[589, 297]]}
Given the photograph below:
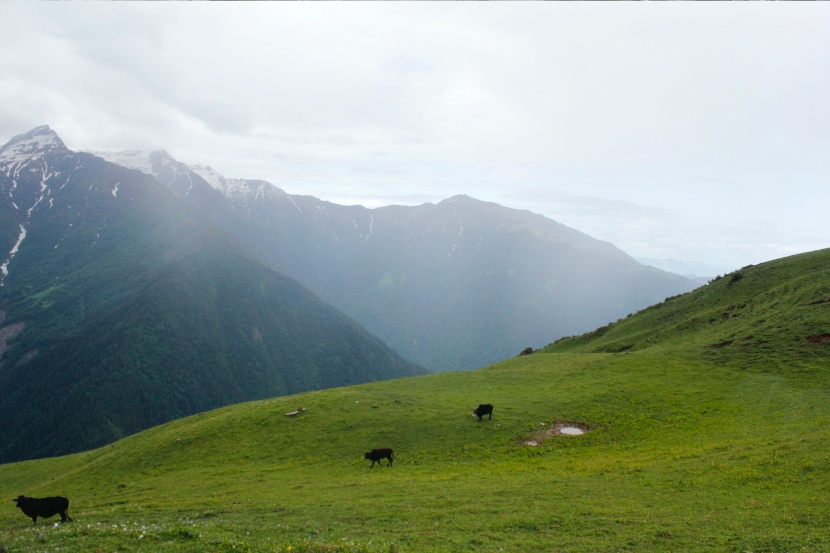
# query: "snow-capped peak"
{"points": [[131, 159], [235, 187], [213, 177], [34, 143], [165, 168]]}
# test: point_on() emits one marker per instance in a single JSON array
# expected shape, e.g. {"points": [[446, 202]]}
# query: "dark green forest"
{"points": [[134, 312]]}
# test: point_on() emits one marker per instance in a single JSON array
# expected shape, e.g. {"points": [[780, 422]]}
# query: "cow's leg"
{"points": [[490, 416], [63, 516], [34, 519]]}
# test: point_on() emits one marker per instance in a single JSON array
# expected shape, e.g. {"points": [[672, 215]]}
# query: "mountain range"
{"points": [[450, 286], [122, 307]]}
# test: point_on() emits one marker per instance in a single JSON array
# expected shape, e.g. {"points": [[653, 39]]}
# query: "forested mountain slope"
{"points": [[454, 285], [122, 308]]}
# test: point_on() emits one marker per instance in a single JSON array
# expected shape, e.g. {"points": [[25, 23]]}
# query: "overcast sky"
{"points": [[692, 131]]}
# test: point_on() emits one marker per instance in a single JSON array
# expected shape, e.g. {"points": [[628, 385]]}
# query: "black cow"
{"points": [[43, 507], [378, 454], [484, 409]]}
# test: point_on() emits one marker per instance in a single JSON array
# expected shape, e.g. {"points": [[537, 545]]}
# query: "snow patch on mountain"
{"points": [[165, 168], [4, 268], [45, 175], [29, 149], [29, 146], [247, 191], [131, 159], [213, 177], [236, 188]]}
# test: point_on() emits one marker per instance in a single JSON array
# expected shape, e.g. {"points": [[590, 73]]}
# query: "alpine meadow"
{"points": [[704, 423]]}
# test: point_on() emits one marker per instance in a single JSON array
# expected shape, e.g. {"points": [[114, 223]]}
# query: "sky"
{"points": [[698, 132]]}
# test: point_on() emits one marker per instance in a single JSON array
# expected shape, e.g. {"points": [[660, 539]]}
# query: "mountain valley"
{"points": [[450, 286], [123, 308]]}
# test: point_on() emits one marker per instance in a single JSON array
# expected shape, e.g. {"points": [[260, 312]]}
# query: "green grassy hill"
{"points": [[775, 309], [707, 421]]}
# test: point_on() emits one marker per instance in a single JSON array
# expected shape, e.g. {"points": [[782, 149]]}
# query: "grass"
{"points": [[694, 445], [42, 297]]}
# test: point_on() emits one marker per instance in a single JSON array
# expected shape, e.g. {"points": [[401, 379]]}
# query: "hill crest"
{"points": [[759, 310]]}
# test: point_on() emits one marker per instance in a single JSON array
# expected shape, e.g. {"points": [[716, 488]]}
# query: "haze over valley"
{"points": [[450, 286]]}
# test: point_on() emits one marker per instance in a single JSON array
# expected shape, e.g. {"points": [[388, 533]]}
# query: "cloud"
{"points": [[669, 128]]}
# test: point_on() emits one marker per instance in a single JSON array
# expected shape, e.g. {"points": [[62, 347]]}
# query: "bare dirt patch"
{"points": [[561, 428], [819, 338]]}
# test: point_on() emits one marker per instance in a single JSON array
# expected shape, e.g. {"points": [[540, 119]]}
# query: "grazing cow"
{"points": [[484, 409], [378, 454], [43, 507]]}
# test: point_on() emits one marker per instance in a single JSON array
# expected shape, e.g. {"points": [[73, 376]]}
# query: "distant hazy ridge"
{"points": [[457, 285]]}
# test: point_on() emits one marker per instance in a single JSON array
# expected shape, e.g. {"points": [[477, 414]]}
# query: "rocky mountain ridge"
{"points": [[125, 307], [454, 285]]}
